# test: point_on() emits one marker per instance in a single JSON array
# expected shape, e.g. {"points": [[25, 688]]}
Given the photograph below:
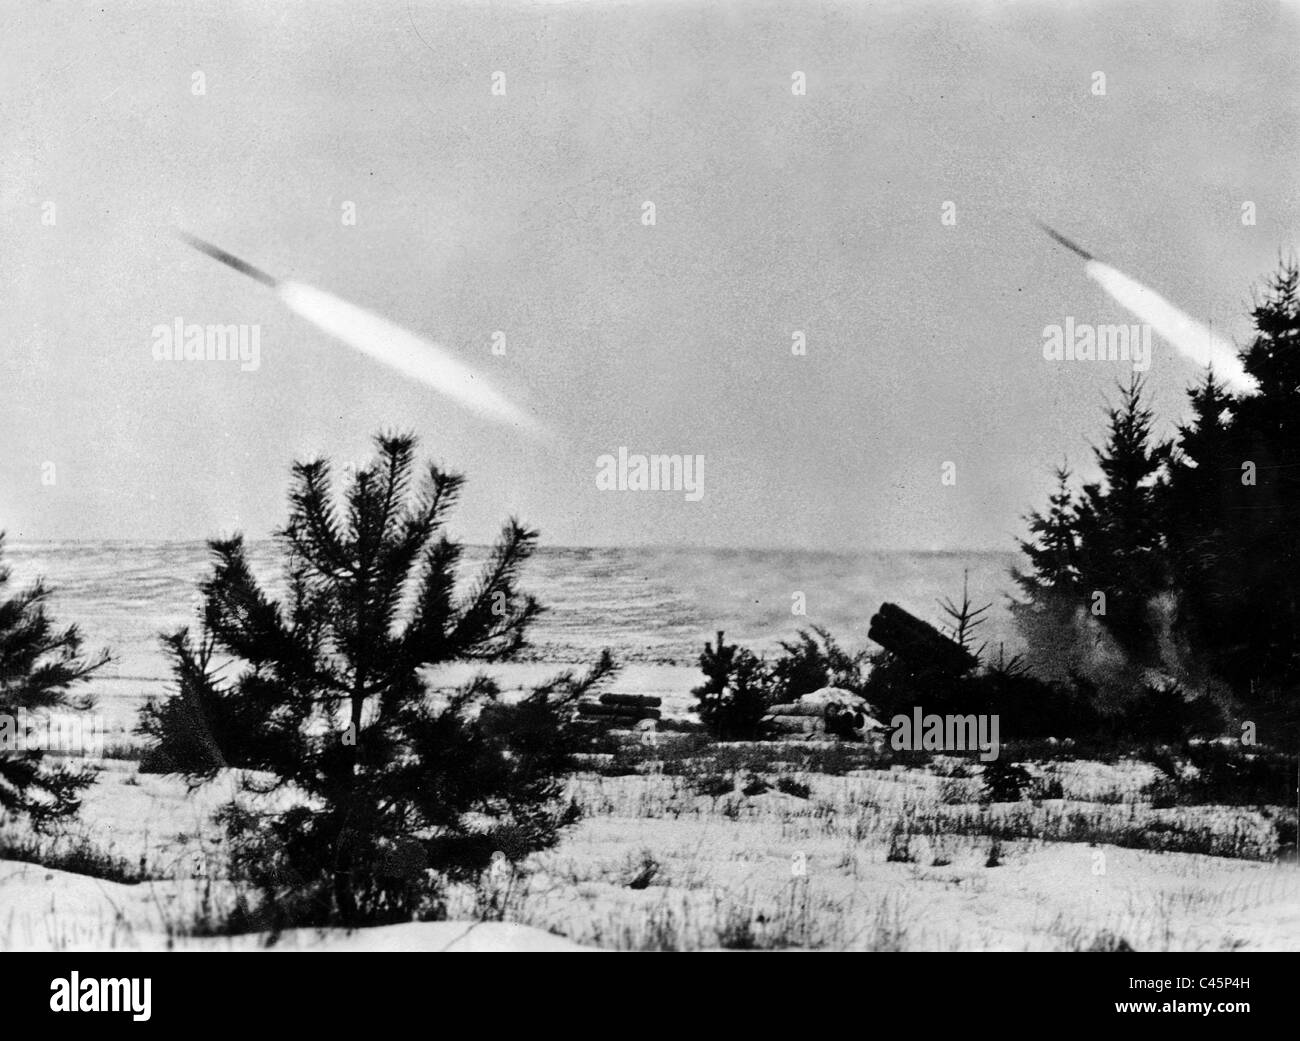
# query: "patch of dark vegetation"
{"points": [[1107, 941], [80, 857], [1212, 773], [1005, 782], [900, 847], [642, 872], [1095, 826], [737, 933], [128, 751], [1047, 788], [792, 786], [714, 785], [741, 686], [694, 755], [735, 695]]}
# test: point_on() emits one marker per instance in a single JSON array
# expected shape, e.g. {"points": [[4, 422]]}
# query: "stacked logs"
{"points": [[795, 720], [619, 711], [918, 643]]}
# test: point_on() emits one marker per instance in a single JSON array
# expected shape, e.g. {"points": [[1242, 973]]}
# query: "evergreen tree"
{"points": [[1120, 549], [1203, 496], [372, 780], [964, 619], [1265, 529], [1052, 596], [40, 664], [1052, 548], [813, 661], [1101, 554], [734, 697], [1241, 559]]}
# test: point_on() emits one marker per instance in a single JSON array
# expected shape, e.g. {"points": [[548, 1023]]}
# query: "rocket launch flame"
{"points": [[388, 343], [404, 351], [1173, 325]]}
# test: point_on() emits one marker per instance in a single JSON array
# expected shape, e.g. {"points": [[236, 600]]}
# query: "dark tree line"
{"points": [[1186, 552]]}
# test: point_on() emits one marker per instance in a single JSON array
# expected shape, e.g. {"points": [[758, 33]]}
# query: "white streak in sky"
{"points": [[399, 349], [1186, 335]]}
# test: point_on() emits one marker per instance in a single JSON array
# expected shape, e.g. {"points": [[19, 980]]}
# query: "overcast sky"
{"points": [[774, 212]]}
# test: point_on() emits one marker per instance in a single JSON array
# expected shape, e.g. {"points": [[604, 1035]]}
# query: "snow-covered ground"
{"points": [[876, 859], [44, 909]]}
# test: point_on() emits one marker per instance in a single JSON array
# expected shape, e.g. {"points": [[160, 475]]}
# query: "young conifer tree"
{"points": [[40, 664], [358, 780]]}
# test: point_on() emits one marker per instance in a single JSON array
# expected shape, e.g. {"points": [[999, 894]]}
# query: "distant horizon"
{"points": [[675, 547]]}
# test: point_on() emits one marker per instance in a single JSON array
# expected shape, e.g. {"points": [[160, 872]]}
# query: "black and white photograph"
{"points": [[650, 476]]}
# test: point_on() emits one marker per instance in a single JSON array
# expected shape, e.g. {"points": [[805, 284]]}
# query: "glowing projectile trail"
{"points": [[1173, 325], [390, 344]]}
